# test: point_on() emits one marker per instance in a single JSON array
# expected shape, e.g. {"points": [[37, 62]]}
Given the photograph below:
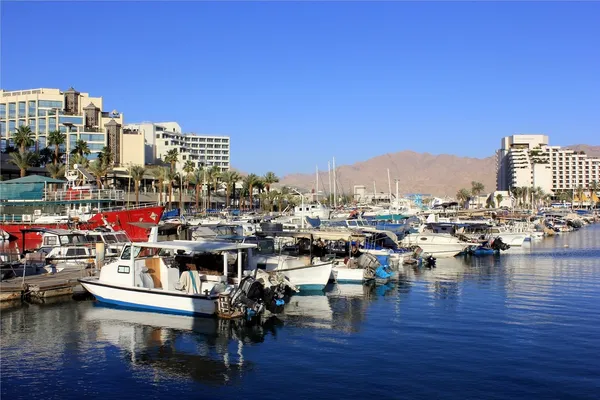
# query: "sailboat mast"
{"points": [[389, 185], [329, 173], [334, 186], [317, 185]]}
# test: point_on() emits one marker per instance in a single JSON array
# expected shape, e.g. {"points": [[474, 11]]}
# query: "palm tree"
{"points": [[45, 156], [80, 160], [56, 138], [282, 196], [476, 189], [137, 174], [499, 199], [170, 176], [99, 169], [212, 176], [106, 156], [197, 178], [593, 188], [56, 170], [23, 138], [81, 148], [579, 190], [23, 160], [229, 178], [172, 157], [188, 168], [269, 179], [250, 181], [463, 195], [160, 175]]}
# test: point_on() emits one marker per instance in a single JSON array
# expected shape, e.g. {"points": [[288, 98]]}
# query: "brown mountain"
{"points": [[425, 173], [592, 151]]}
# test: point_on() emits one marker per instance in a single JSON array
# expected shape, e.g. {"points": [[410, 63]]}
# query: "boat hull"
{"points": [[311, 277], [348, 275], [157, 300]]}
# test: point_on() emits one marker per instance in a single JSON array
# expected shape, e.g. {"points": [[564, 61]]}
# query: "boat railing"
{"points": [[85, 194]]}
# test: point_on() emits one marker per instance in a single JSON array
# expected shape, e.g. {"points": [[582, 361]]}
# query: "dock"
{"points": [[42, 286]]}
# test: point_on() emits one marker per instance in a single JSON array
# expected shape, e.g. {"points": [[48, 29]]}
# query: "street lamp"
{"points": [[302, 196]]}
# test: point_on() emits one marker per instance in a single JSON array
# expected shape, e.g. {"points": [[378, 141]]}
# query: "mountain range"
{"points": [[439, 175]]}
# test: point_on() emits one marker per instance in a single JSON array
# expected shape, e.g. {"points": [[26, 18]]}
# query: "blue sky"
{"points": [[295, 84]]}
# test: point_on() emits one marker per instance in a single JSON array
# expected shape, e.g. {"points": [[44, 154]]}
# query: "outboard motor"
{"points": [[498, 244], [248, 295]]}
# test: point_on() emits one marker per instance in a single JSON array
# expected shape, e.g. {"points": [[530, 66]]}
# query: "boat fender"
{"points": [[279, 302], [380, 272], [179, 230]]}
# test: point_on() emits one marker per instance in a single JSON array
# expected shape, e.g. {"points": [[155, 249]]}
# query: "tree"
{"points": [[45, 156], [106, 156], [499, 199], [56, 171], [269, 179], [593, 187], [476, 189], [23, 137], [23, 160], [198, 178], [160, 175], [99, 169], [579, 190], [79, 160], [212, 176], [249, 182], [172, 157], [170, 176], [188, 168], [56, 138], [285, 191], [229, 178], [463, 195], [81, 148], [137, 174]]}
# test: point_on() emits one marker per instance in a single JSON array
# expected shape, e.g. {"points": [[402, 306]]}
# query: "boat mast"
{"points": [[389, 186], [397, 198], [329, 173], [334, 186], [317, 185]]}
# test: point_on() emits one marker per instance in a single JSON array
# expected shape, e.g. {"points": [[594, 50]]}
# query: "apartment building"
{"points": [[529, 160], [202, 150], [78, 115]]}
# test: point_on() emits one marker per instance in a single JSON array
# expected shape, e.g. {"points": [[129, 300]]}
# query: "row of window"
{"points": [[24, 109], [192, 138]]}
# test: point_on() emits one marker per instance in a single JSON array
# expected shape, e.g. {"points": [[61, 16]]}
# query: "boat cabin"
{"points": [[159, 265]]}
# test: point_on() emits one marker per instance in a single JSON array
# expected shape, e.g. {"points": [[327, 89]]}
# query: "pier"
{"points": [[42, 286]]}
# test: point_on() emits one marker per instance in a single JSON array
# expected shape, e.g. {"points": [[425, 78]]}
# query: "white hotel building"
{"points": [[202, 150], [529, 160]]}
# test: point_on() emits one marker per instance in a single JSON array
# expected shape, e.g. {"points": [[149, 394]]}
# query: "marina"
{"points": [[494, 321]]}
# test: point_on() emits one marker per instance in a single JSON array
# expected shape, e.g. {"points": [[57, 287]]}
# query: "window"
{"points": [[21, 109], [2, 128], [32, 125], [50, 104], [31, 108], [91, 137], [12, 110], [2, 110], [70, 120], [123, 269], [126, 254], [11, 126], [52, 123], [42, 126], [50, 241]]}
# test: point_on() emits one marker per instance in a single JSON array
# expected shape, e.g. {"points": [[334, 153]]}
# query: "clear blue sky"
{"points": [[294, 84]]}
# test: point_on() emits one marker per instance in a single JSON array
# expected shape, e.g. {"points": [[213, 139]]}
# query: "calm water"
{"points": [[522, 325]]}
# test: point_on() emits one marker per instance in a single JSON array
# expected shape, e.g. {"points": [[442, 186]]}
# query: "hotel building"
{"points": [[78, 115], [202, 150], [529, 160]]}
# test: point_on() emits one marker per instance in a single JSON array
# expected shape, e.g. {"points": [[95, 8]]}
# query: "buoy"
{"points": [[566, 245]]}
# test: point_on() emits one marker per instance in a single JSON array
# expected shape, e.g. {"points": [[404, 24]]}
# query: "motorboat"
{"points": [[148, 276], [439, 245]]}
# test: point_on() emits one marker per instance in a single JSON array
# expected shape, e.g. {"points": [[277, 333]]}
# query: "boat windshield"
{"points": [[72, 239]]}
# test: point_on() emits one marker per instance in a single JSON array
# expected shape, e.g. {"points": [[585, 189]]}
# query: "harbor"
{"points": [[430, 320]]}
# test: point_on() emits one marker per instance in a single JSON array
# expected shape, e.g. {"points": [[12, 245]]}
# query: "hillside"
{"points": [[417, 173], [592, 151]]}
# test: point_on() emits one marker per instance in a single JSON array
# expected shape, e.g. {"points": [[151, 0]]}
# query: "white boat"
{"points": [[146, 276], [303, 272], [438, 245], [317, 210]]}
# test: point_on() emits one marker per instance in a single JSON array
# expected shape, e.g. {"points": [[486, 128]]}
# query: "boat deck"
{"points": [[42, 286]]}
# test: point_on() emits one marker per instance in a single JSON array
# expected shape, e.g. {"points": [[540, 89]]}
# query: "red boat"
{"points": [[117, 220]]}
